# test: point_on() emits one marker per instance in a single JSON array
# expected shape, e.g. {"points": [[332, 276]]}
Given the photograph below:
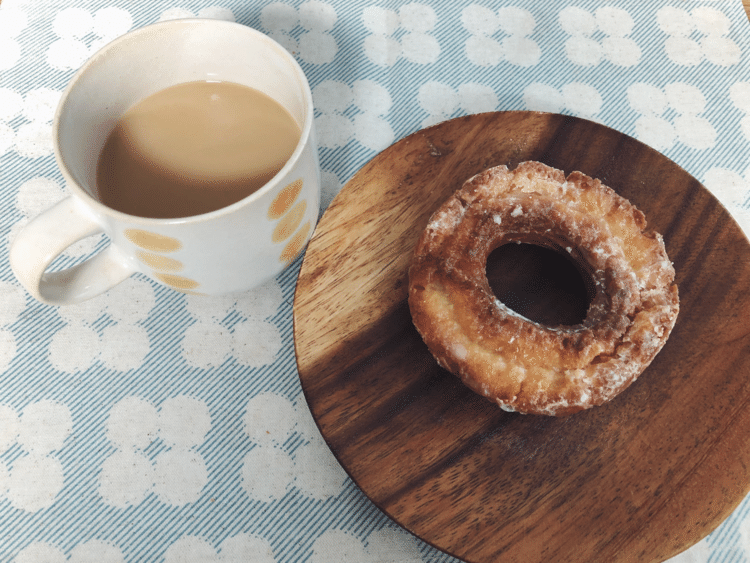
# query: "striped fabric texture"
{"points": [[147, 425]]}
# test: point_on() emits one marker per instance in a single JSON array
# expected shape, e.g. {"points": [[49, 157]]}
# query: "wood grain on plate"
{"points": [[639, 479]]}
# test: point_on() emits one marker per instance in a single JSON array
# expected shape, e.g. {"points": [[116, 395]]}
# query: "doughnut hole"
{"points": [[544, 285]]}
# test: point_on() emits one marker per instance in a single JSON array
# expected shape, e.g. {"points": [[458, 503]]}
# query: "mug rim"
{"points": [[305, 134]]}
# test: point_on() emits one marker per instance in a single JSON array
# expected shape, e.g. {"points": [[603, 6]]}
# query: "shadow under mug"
{"points": [[228, 250]]}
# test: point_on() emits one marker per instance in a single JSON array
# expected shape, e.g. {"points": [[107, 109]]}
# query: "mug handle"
{"points": [[45, 237]]}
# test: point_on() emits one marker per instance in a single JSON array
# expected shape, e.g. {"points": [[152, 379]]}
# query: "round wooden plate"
{"points": [[639, 479]]}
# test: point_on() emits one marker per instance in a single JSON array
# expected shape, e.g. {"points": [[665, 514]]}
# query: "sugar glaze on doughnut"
{"points": [[522, 365]]}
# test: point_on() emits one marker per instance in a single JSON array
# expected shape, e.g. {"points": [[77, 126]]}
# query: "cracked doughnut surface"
{"points": [[519, 364]]}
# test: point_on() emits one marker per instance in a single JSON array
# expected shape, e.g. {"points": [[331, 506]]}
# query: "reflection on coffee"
{"points": [[194, 148]]}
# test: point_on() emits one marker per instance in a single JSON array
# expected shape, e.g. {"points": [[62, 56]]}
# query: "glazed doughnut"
{"points": [[519, 364]]}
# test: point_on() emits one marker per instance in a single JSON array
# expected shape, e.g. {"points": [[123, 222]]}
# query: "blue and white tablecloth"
{"points": [[146, 425]]}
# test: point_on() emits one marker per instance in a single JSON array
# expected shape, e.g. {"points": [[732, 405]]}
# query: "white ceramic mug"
{"points": [[232, 249]]}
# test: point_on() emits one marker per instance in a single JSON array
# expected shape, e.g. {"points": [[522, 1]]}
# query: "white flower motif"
{"points": [[280, 19], [109, 23], [675, 22], [40, 551], [442, 101], [417, 44], [12, 22], [96, 551], [334, 130], [576, 98], [190, 548], [321, 475], [123, 346], [178, 475], [9, 427], [267, 473], [713, 27], [44, 426], [381, 47], [439, 100], [34, 140], [583, 48], [498, 36], [33, 481], [337, 546], [120, 345], [236, 326], [74, 28], [393, 544], [269, 419], [133, 423], [126, 478], [739, 93], [13, 299], [729, 187], [332, 98], [36, 195], [176, 14], [733, 190], [368, 126], [74, 348], [256, 343], [8, 348], [388, 544], [32, 137], [4, 479], [11, 104], [687, 127], [195, 349], [242, 547], [315, 43], [7, 138], [184, 421], [246, 547], [647, 99]]}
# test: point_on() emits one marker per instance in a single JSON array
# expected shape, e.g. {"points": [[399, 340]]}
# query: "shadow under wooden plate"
{"points": [[637, 480]]}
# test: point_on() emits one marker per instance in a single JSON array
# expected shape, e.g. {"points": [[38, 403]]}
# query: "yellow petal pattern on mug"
{"points": [[283, 207], [284, 200], [152, 241], [162, 244], [289, 222], [159, 262], [294, 246], [177, 282]]}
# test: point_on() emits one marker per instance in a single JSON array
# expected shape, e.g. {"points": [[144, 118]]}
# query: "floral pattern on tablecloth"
{"points": [[147, 425]]}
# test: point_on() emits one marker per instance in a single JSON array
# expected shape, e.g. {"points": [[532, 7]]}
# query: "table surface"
{"points": [[148, 425]]}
